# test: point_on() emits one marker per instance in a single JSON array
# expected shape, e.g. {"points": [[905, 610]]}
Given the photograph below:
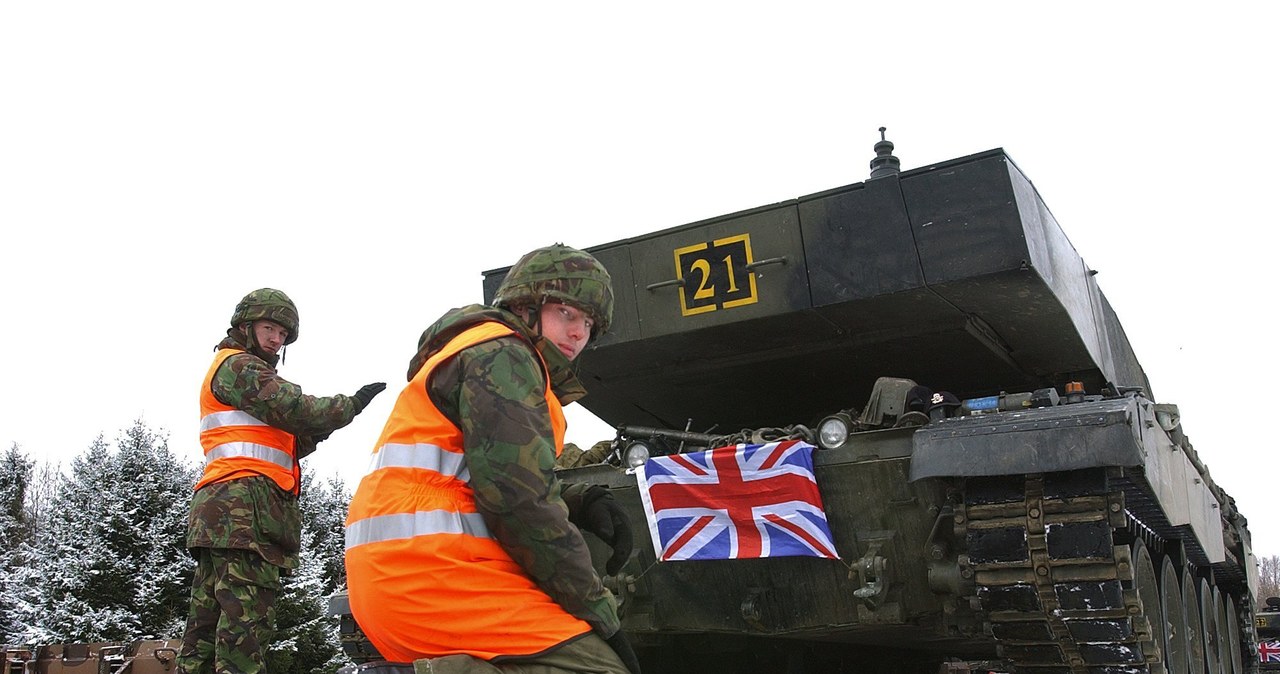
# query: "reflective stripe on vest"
{"points": [[237, 444], [230, 418], [422, 455], [251, 450], [407, 525]]}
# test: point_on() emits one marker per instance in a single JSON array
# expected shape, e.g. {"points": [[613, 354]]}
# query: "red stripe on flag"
{"points": [[801, 533], [697, 526], [776, 453], [689, 465]]}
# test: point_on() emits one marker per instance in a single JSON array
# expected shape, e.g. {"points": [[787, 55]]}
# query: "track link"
{"points": [[1054, 574]]}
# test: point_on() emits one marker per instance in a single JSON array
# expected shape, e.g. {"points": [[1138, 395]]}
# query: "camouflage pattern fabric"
{"points": [[494, 393], [573, 457], [587, 655], [232, 617], [250, 513], [254, 513], [564, 274], [243, 531], [271, 305], [247, 382], [456, 321]]}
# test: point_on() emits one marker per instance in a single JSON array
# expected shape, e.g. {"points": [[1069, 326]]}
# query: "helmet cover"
{"points": [[271, 305], [563, 274]]}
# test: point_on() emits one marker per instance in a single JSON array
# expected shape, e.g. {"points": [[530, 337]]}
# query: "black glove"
{"points": [[618, 642], [366, 393], [602, 516]]}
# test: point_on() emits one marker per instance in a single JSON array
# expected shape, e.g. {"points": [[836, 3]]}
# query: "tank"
{"points": [[1003, 489], [1267, 626]]}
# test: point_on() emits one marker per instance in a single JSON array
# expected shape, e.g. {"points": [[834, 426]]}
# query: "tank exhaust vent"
{"points": [[884, 164]]}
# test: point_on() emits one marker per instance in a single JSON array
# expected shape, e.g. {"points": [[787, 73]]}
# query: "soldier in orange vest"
{"points": [[245, 525], [462, 550]]}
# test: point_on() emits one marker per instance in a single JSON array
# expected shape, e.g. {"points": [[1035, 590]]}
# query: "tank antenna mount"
{"points": [[884, 164]]}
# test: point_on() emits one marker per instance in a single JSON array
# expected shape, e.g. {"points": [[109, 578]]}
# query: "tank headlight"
{"points": [[637, 453], [833, 432]]}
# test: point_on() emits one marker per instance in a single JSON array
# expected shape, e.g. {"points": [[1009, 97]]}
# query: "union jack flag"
{"points": [[736, 502], [1269, 651]]}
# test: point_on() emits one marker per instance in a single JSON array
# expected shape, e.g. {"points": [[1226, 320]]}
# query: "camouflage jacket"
{"points": [[495, 393], [254, 513]]}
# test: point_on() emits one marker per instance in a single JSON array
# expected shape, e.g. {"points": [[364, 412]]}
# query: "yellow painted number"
{"points": [[704, 290], [715, 275]]}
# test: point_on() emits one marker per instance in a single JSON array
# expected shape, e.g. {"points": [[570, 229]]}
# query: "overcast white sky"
{"points": [[158, 160]]}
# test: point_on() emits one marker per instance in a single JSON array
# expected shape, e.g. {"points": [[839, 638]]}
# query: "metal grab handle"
{"points": [[663, 284], [771, 260], [750, 267]]}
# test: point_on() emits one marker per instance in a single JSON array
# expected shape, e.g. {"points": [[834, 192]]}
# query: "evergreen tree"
{"points": [[15, 532], [15, 475], [100, 555], [112, 563], [162, 483], [324, 511], [306, 636]]}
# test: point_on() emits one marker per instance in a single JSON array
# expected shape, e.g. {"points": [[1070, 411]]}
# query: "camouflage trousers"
{"points": [[587, 655], [232, 616]]}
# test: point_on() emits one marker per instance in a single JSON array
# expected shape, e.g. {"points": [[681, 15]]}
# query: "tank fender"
{"points": [[1121, 432]]}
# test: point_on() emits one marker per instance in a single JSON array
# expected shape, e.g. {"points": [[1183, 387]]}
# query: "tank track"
{"points": [[1052, 559]]}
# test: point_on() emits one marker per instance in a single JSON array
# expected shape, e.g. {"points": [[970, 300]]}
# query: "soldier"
{"points": [[462, 554], [245, 525]]}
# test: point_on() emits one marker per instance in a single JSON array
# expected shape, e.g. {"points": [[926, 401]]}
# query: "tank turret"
{"points": [[956, 274]]}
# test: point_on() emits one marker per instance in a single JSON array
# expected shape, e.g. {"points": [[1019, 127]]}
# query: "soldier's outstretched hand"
{"points": [[367, 392]]}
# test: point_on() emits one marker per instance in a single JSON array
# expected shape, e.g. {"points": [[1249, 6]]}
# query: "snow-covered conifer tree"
{"points": [[306, 636], [15, 531], [112, 563]]}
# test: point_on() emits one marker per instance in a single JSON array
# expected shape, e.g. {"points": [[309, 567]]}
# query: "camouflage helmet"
{"points": [[566, 275], [268, 304]]}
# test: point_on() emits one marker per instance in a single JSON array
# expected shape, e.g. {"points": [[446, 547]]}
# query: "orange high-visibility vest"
{"points": [[237, 444], [425, 577]]}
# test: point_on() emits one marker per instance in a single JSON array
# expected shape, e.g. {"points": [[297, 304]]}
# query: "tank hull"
{"points": [[1033, 538]]}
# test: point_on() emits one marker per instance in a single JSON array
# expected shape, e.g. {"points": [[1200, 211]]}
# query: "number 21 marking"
{"points": [[713, 275]]}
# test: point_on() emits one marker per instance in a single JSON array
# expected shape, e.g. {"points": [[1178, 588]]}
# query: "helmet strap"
{"points": [[534, 317], [250, 340]]}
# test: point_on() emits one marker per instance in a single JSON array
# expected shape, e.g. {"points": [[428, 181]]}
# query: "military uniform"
{"points": [[245, 530], [494, 394]]}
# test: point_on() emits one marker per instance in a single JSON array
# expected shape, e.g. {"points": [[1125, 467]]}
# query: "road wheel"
{"points": [[1195, 628], [1175, 619]]}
